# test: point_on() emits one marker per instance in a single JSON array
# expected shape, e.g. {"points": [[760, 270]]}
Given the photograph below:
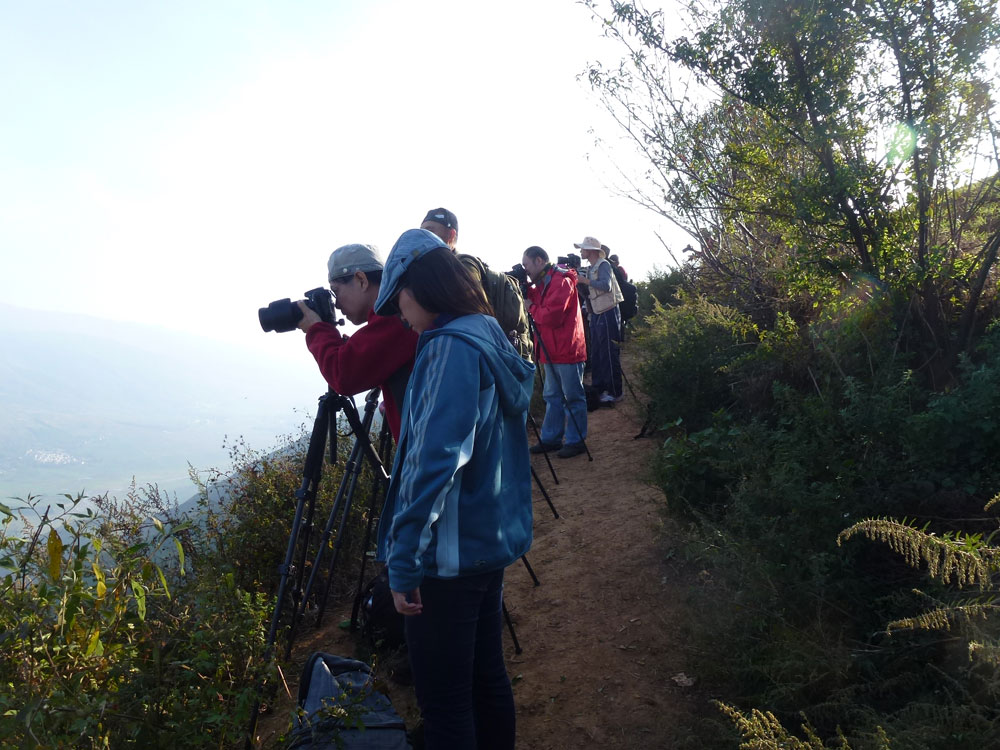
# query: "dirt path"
{"points": [[600, 633]]}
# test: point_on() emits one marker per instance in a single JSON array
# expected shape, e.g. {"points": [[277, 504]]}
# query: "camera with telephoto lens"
{"points": [[283, 315], [572, 260]]}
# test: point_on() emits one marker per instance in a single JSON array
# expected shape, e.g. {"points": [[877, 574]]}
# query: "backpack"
{"points": [[348, 687], [629, 306], [504, 295]]}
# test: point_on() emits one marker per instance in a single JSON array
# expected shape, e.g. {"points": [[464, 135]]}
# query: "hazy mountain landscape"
{"points": [[87, 404]]}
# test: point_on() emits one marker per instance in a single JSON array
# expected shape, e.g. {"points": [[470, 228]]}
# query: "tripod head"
{"points": [[330, 405]]}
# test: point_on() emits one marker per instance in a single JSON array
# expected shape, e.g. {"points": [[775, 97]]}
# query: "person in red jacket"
{"points": [[381, 353], [561, 348]]}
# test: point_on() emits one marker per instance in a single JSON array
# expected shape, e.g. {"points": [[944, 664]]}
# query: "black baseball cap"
{"points": [[442, 216]]}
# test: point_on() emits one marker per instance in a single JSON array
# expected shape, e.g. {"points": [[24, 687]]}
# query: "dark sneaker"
{"points": [[541, 447], [571, 449]]}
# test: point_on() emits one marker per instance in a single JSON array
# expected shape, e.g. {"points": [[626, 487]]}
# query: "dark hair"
{"points": [[374, 277], [440, 283], [536, 252]]}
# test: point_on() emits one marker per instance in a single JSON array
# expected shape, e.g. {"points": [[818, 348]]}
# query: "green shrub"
{"points": [[769, 489], [106, 645], [685, 351], [661, 288]]}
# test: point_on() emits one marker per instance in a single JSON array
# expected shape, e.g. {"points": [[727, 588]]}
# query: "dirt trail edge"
{"points": [[601, 664]]}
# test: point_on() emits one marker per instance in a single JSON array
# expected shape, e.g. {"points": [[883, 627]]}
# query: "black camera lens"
{"points": [[281, 316]]}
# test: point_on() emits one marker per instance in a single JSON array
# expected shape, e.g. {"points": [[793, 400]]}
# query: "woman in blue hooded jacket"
{"points": [[458, 509]]}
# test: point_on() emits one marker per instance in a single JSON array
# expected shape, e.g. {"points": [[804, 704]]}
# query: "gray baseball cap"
{"points": [[344, 261]]}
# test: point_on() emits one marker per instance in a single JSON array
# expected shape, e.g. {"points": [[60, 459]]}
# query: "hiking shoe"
{"points": [[607, 398], [571, 449], [541, 447]]}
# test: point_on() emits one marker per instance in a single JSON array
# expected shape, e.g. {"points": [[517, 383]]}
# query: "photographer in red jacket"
{"points": [[561, 348], [381, 353]]}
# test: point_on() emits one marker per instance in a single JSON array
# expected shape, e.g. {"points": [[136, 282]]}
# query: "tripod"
{"points": [[324, 431], [342, 506]]}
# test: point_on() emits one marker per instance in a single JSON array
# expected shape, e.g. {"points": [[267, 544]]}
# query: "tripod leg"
{"points": [[524, 559], [306, 594], [510, 628], [538, 437], [378, 486], [629, 384], [364, 450], [544, 493], [306, 498]]}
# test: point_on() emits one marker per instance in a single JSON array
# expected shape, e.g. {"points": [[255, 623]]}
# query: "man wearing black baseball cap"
{"points": [[501, 290], [444, 224]]}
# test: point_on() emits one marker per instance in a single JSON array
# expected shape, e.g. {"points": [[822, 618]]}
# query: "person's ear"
{"points": [[452, 237], [362, 279]]}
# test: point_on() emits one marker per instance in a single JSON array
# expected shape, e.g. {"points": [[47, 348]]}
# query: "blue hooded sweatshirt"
{"points": [[459, 501]]}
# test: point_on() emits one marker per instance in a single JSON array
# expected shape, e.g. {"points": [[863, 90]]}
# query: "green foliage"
{"points": [[107, 643], [686, 349], [247, 533], [124, 625], [770, 477], [831, 359], [953, 558], [661, 287], [809, 148]]}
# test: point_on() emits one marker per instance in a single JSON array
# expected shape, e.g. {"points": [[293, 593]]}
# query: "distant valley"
{"points": [[86, 404]]}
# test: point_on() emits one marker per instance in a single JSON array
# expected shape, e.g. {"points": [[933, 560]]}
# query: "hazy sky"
{"points": [[185, 163]]}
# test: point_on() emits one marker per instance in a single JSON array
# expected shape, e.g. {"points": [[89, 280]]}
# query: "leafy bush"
{"points": [[106, 644], [660, 287], [122, 624], [247, 532], [686, 350], [769, 484]]}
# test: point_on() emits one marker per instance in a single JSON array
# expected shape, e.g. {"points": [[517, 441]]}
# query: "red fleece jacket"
{"points": [[366, 359]]}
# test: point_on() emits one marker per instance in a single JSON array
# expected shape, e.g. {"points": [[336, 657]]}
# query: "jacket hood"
{"points": [[411, 245], [515, 377]]}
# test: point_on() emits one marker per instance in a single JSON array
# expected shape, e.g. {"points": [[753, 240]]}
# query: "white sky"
{"points": [[185, 163]]}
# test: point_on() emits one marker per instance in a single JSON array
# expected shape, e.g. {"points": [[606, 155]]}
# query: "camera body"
{"points": [[283, 315], [520, 273]]}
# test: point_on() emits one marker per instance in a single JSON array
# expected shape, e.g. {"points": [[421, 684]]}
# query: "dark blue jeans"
{"points": [[456, 651], [605, 362]]}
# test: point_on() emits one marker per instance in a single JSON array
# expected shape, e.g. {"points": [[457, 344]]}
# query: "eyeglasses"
{"points": [[340, 282]]}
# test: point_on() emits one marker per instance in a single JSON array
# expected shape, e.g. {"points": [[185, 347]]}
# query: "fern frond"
{"points": [[960, 560], [991, 503], [942, 618], [761, 730], [988, 653]]}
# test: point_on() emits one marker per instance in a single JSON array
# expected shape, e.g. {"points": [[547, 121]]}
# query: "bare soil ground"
{"points": [[601, 664]]}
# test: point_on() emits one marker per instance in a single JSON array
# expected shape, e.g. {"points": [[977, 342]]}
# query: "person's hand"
{"points": [[408, 603], [581, 279], [309, 318]]}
